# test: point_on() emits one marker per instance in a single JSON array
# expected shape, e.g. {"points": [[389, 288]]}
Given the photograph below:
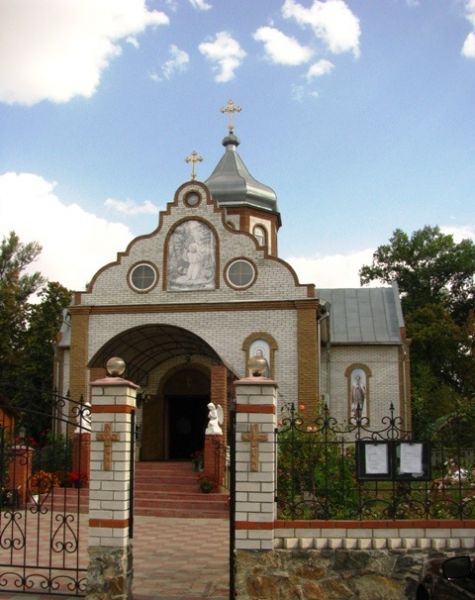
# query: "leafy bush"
{"points": [[55, 455], [316, 475]]}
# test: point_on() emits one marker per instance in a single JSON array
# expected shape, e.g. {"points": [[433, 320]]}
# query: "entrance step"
{"points": [[170, 489], [162, 489]]}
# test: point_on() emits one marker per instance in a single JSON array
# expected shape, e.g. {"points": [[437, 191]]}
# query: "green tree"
{"points": [[16, 287], [436, 280], [29, 329], [44, 324]]}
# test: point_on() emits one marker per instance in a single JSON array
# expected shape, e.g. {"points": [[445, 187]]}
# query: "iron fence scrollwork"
{"points": [[323, 472], [43, 492]]}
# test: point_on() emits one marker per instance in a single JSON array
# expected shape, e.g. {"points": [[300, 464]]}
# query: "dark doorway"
{"points": [[186, 394], [188, 416]]}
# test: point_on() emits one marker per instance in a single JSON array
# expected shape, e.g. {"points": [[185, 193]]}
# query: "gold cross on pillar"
{"points": [[231, 108], [107, 436], [254, 437], [193, 158]]}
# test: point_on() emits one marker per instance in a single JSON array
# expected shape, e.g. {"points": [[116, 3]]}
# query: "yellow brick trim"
{"points": [[79, 348], [265, 305], [307, 350]]}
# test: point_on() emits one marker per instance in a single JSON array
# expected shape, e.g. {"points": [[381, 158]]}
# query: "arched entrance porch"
{"points": [[179, 373], [174, 418]]}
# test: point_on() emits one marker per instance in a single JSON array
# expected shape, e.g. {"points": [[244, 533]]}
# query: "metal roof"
{"points": [[364, 315], [231, 184]]}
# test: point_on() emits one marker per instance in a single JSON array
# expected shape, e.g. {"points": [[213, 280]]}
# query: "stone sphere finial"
{"points": [[115, 366], [257, 366]]}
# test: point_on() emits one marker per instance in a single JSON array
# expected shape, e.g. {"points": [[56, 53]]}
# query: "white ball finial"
{"points": [[115, 366]]}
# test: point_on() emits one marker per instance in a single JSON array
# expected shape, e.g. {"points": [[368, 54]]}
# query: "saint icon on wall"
{"points": [[260, 349], [191, 257], [358, 394]]}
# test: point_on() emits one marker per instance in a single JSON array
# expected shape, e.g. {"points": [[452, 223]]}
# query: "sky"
{"points": [[360, 114]]}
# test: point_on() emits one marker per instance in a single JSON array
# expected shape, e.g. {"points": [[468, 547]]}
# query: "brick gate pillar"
{"points": [[111, 483], [219, 392], [256, 420]]}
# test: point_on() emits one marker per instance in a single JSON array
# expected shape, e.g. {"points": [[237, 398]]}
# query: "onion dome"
{"points": [[231, 184]]}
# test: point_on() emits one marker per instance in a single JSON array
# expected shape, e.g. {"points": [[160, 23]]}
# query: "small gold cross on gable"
{"points": [[231, 108], [193, 159], [254, 437], [107, 436]]}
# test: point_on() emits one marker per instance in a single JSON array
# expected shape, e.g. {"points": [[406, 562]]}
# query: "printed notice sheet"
{"points": [[411, 459], [376, 459]]}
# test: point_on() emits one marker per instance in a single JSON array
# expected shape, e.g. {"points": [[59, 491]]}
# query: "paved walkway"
{"points": [[181, 558], [174, 559]]}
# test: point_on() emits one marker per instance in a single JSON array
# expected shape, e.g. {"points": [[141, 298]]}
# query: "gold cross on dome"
{"points": [[254, 437], [107, 436], [193, 159], [231, 108]]}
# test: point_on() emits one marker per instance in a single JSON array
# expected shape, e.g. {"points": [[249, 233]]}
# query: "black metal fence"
{"points": [[332, 471], [43, 492]]}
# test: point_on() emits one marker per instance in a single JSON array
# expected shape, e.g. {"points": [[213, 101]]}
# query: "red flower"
{"points": [[77, 477]]}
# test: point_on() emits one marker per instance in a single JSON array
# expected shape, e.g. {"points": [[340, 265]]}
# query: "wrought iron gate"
{"points": [[44, 471]]}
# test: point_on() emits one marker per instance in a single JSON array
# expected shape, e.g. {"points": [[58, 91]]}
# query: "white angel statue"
{"points": [[216, 418], [83, 418]]}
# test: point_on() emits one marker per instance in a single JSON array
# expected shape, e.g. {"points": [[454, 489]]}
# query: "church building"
{"points": [[188, 304]]}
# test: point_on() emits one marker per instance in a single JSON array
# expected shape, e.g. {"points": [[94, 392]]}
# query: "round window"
{"points": [[241, 273], [192, 199], [143, 277]]}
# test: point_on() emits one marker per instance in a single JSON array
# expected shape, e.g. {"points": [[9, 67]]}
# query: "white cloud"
{"points": [[322, 67], [459, 232], [470, 11], [177, 63], [200, 4], [342, 270], [332, 22], [132, 40], [75, 243], [172, 4], [226, 54], [56, 50], [282, 49], [468, 48], [130, 208], [297, 92], [332, 271]]}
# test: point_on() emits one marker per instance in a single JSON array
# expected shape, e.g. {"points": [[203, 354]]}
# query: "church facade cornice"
{"points": [[197, 307]]}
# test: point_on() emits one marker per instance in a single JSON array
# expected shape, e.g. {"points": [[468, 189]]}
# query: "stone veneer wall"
{"points": [[364, 560], [329, 574]]}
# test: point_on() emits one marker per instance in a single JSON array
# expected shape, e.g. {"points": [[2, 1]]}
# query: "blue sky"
{"points": [[359, 114]]}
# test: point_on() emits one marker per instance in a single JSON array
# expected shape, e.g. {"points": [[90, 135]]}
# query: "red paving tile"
{"points": [[174, 558]]}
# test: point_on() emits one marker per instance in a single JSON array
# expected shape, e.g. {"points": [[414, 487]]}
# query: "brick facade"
{"points": [[275, 307], [383, 384]]}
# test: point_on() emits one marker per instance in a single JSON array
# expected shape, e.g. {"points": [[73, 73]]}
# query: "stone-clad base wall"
{"points": [[329, 574], [109, 573]]}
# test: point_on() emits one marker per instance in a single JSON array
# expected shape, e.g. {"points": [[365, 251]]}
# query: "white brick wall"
{"points": [[225, 332], [424, 538], [383, 384], [274, 281]]}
